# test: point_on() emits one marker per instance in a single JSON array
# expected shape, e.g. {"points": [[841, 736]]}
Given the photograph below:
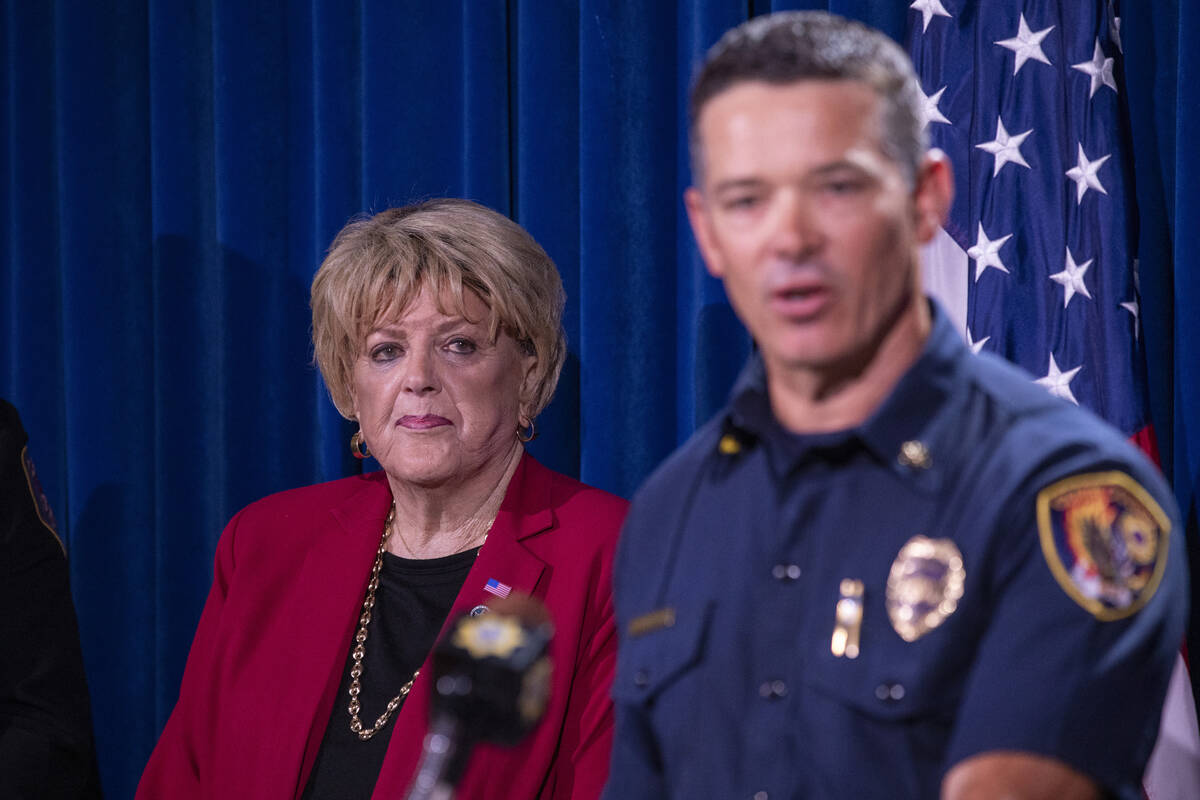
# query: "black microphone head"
{"points": [[491, 672]]}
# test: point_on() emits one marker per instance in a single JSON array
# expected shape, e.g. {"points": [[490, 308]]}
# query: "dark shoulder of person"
{"points": [[46, 748]]}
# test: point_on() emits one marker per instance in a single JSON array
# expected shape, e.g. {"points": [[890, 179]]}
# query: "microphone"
{"points": [[491, 681]]}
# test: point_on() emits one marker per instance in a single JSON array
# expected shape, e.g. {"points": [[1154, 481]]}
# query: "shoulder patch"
{"points": [[40, 503], [1105, 540]]}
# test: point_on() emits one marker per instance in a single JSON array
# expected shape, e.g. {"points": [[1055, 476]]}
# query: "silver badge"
{"points": [[924, 586]]}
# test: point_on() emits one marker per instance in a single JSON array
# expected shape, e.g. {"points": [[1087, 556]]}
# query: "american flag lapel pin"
{"points": [[497, 588]]}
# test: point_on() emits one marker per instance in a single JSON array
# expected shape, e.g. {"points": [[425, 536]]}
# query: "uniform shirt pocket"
{"points": [[894, 680], [893, 707], [651, 660]]}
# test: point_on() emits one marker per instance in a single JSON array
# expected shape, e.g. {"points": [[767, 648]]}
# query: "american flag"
{"points": [[497, 588], [1037, 262]]}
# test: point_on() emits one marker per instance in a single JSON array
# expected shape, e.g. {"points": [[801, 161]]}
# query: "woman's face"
{"points": [[437, 401]]}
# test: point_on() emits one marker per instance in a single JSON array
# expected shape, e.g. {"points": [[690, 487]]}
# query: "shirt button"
{"points": [[890, 691], [760, 796], [771, 690], [785, 572], [640, 678]]}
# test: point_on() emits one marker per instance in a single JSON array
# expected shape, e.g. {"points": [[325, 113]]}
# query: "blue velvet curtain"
{"points": [[174, 172]]}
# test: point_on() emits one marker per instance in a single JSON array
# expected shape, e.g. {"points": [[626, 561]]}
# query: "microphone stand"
{"points": [[491, 682], [442, 744]]}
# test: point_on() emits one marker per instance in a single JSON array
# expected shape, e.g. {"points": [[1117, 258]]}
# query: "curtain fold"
{"points": [[173, 174], [1187, 259]]}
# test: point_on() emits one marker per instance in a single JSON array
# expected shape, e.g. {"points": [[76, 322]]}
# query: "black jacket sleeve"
{"points": [[46, 748]]}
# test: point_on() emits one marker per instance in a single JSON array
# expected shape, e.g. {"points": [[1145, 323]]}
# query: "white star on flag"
{"points": [[1005, 148], [1071, 279], [1099, 69], [1057, 382], [932, 112], [1084, 175], [986, 252], [1115, 33], [1026, 44], [929, 9], [974, 345], [1132, 307]]}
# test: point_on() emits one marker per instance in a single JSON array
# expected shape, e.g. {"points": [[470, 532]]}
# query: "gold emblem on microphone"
{"points": [[924, 586], [489, 635]]}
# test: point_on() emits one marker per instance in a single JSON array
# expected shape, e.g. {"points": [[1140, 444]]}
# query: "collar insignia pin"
{"points": [[914, 453]]}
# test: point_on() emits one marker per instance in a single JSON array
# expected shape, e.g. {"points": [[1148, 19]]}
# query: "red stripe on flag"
{"points": [[1147, 442]]}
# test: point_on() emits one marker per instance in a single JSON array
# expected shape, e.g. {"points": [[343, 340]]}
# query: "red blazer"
{"points": [[288, 585]]}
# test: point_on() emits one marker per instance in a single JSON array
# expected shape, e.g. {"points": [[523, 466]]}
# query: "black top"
{"points": [[411, 604]]}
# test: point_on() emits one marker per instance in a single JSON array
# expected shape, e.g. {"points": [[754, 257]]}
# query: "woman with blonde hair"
{"points": [[437, 327]]}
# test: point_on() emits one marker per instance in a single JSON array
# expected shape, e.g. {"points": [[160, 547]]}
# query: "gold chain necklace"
{"points": [[360, 650]]}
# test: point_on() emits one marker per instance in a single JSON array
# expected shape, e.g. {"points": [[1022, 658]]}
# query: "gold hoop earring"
{"points": [[358, 445], [526, 433]]}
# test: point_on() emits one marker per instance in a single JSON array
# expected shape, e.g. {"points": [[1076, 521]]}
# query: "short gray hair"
{"points": [[792, 46]]}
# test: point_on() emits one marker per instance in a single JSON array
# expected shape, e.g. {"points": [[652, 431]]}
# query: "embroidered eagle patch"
{"points": [[1105, 539]]}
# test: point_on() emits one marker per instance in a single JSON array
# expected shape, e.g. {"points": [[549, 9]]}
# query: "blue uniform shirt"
{"points": [[979, 566]]}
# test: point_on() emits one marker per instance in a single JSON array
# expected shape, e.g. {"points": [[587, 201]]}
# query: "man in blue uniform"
{"points": [[888, 568]]}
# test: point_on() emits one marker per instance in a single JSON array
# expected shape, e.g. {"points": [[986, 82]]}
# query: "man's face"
{"points": [[809, 224]]}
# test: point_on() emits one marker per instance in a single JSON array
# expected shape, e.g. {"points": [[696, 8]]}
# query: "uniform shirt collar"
{"points": [[904, 416]]}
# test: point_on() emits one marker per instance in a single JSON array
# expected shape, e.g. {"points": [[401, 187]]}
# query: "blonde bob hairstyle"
{"points": [[378, 264]]}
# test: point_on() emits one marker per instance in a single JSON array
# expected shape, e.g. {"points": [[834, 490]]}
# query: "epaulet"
{"points": [[683, 465]]}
